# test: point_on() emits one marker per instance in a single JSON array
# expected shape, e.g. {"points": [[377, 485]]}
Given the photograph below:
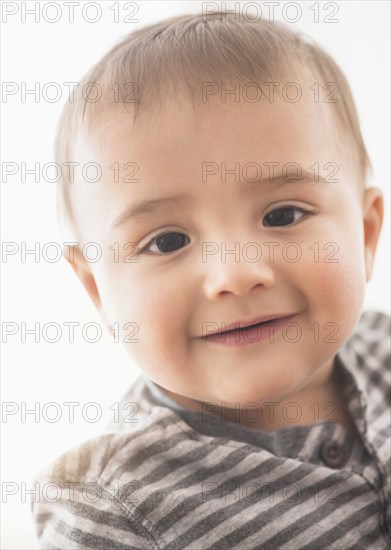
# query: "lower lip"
{"points": [[265, 332]]}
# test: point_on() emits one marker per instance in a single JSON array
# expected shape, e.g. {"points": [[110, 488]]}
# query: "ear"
{"points": [[81, 267], [373, 220]]}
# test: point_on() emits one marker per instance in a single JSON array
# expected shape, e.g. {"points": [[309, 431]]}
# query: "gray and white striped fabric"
{"points": [[178, 480]]}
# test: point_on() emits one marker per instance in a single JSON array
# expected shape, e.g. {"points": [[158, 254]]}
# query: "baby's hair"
{"points": [[179, 55]]}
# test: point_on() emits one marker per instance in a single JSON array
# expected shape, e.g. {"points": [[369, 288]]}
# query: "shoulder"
{"points": [[366, 356], [371, 339], [97, 458], [375, 321], [90, 494]]}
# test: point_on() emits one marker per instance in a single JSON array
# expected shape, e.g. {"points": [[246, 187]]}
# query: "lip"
{"points": [[254, 333], [246, 323]]}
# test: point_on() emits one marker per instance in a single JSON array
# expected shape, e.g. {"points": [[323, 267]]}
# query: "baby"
{"points": [[237, 233]]}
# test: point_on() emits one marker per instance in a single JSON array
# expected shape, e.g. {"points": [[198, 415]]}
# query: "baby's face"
{"points": [[167, 293]]}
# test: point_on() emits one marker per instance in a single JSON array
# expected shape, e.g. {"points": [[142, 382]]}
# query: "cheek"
{"points": [[335, 286], [159, 304]]}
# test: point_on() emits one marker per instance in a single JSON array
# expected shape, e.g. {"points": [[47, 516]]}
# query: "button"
{"points": [[332, 453]]}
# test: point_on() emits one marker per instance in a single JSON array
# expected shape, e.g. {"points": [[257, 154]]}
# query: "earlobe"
{"points": [[368, 264], [81, 267], [373, 221]]}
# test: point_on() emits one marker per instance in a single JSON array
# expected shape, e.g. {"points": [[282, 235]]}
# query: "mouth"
{"points": [[243, 334], [240, 326], [245, 327]]}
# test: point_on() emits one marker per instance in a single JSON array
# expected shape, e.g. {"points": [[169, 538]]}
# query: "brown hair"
{"points": [[180, 53]]}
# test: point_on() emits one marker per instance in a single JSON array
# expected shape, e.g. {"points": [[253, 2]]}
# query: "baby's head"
{"points": [[239, 141]]}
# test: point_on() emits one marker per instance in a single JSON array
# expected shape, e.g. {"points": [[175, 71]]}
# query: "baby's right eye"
{"points": [[167, 242]]}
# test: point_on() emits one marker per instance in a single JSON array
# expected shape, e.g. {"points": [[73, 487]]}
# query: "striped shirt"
{"points": [[175, 479]]}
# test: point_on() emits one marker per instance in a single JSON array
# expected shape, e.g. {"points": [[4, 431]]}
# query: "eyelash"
{"points": [[304, 211]]}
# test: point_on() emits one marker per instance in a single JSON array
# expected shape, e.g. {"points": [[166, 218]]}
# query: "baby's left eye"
{"points": [[284, 216]]}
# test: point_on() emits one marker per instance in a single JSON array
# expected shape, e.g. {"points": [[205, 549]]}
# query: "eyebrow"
{"points": [[149, 206], [144, 207]]}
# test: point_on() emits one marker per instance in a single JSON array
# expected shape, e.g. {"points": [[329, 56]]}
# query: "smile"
{"points": [[260, 332]]}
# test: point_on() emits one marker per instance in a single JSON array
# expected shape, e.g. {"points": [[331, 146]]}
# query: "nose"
{"points": [[236, 273]]}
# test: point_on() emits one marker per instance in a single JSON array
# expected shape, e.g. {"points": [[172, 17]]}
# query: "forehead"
{"points": [[251, 129], [167, 149]]}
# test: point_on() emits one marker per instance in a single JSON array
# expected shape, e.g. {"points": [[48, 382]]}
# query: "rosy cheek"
{"points": [[335, 291]]}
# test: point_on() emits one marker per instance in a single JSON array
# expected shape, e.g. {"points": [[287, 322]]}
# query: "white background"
{"points": [[44, 292]]}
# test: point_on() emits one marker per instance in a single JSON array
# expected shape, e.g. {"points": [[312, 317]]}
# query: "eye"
{"points": [[284, 216], [167, 242]]}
